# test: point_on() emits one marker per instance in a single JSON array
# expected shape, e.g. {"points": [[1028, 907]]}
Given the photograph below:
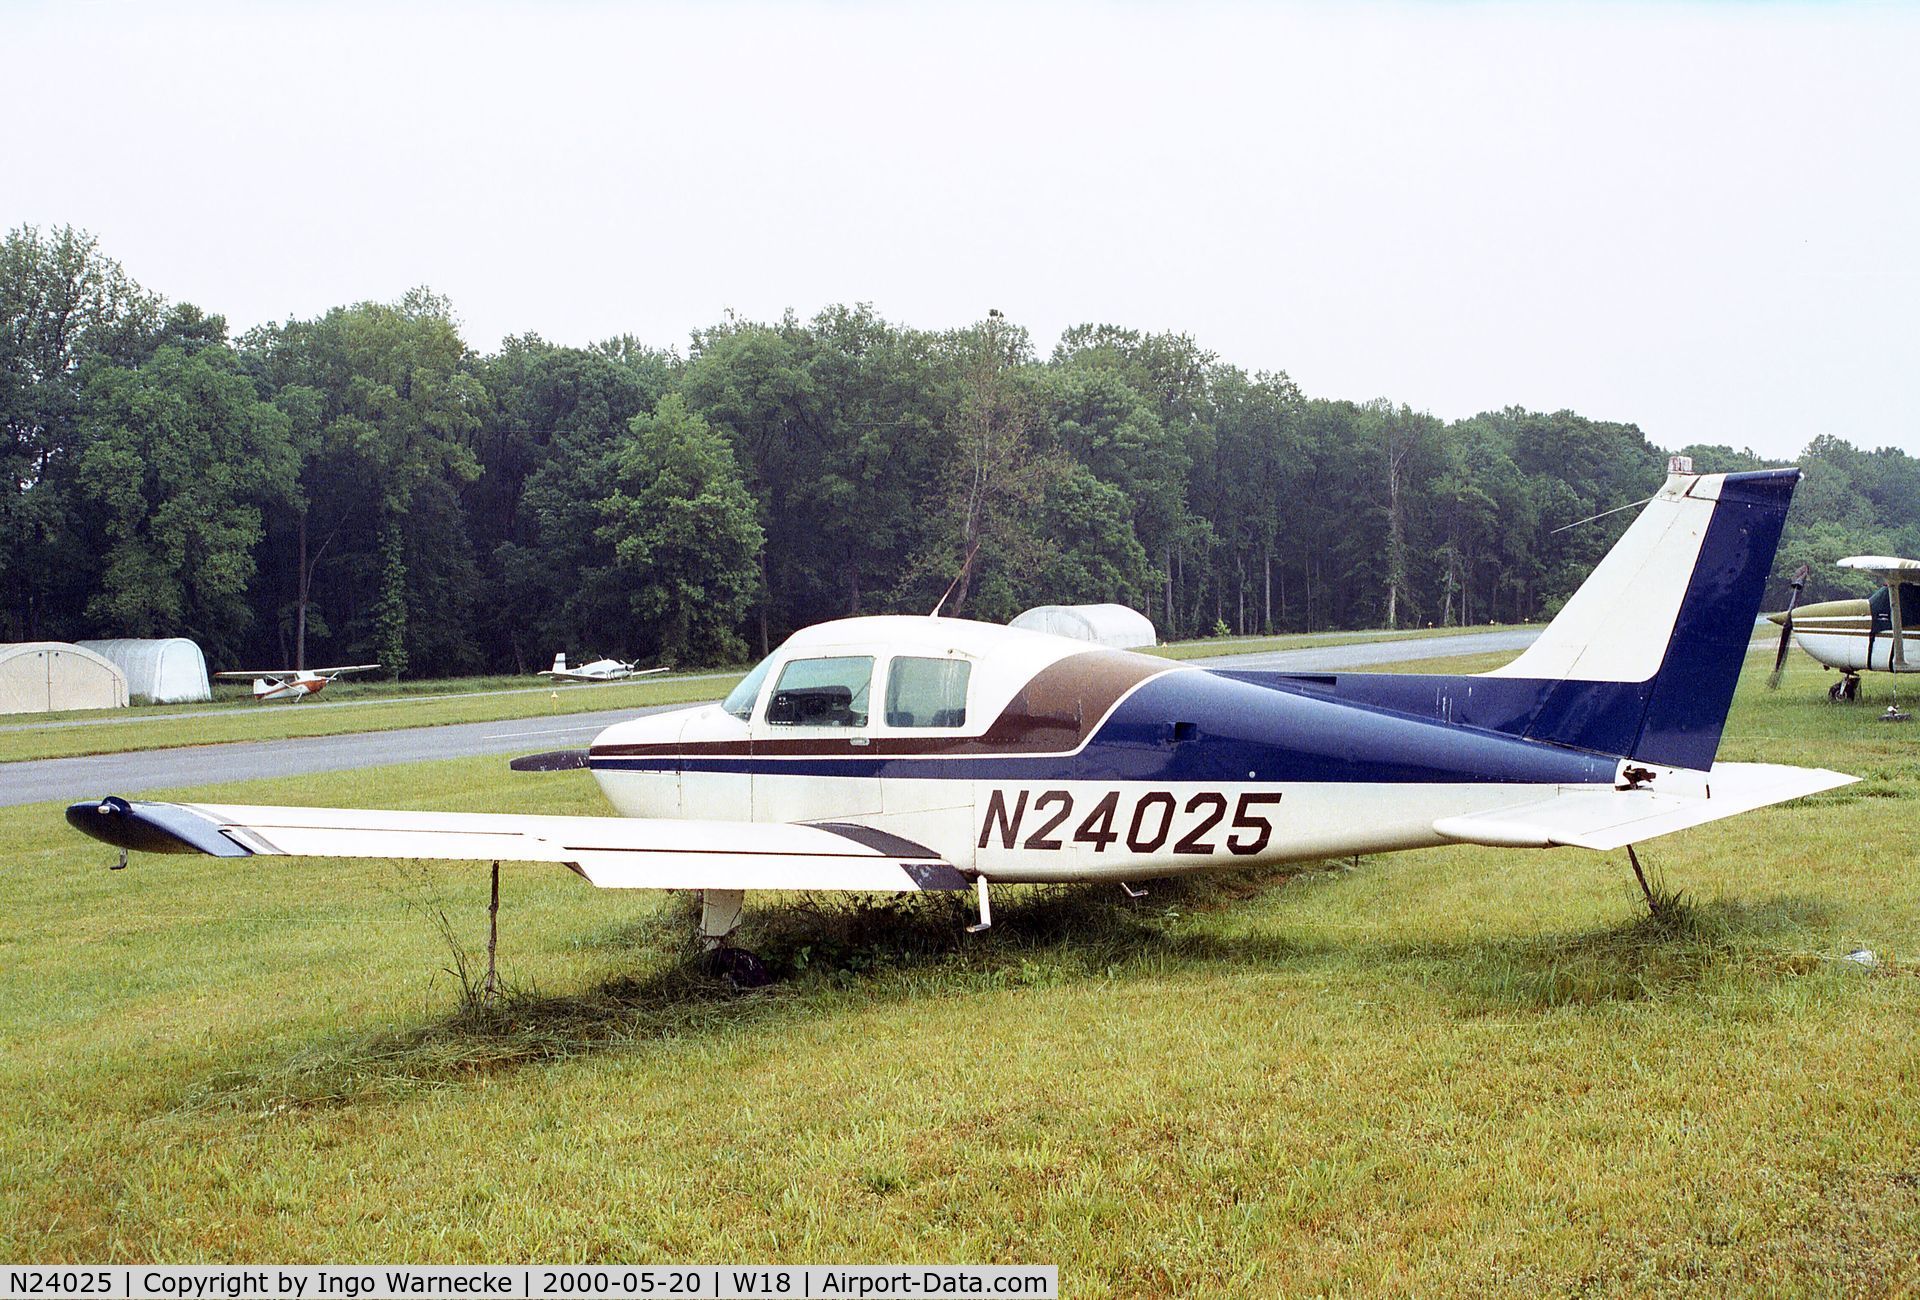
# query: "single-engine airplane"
{"points": [[1879, 634], [906, 753], [600, 670], [293, 684]]}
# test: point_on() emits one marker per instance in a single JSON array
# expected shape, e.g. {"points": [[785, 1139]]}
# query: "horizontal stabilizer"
{"points": [[1607, 818], [613, 852]]}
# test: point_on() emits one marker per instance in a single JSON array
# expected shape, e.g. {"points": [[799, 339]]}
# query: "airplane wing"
{"points": [[1608, 818], [350, 668], [612, 852], [1887, 568], [272, 674]]}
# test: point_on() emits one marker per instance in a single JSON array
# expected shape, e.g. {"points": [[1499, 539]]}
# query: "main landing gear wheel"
{"points": [[719, 918], [739, 968]]}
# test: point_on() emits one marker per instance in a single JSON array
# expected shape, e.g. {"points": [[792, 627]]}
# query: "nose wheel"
{"points": [[1846, 690]]}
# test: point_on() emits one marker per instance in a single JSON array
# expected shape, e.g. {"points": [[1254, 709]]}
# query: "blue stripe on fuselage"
{"points": [[1240, 732]]}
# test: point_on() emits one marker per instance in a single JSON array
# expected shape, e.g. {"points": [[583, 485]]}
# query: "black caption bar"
{"points": [[525, 1281]]}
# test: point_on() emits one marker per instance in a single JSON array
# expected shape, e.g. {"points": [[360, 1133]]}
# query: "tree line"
{"points": [[365, 485]]}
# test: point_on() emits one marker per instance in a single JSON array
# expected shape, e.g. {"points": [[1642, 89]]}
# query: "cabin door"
{"points": [[813, 756]]}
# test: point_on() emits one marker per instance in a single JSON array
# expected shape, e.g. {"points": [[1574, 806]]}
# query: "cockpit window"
{"points": [[822, 693], [1881, 604], [739, 701], [927, 692]]}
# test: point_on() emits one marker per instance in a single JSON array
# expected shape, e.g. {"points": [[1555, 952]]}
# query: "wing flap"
{"points": [[1586, 818], [613, 852]]}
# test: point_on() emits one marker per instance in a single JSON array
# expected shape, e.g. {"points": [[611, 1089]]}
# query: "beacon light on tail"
{"points": [[897, 754]]}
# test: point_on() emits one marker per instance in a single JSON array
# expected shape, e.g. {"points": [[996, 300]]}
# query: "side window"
{"points": [[927, 692], [822, 693]]}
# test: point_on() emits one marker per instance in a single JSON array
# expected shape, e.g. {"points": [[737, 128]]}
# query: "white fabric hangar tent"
{"points": [[1108, 625], [48, 676], [168, 671]]}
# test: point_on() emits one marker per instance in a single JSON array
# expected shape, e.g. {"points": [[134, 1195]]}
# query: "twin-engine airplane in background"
{"points": [[897, 754], [600, 670], [1879, 634], [291, 684]]}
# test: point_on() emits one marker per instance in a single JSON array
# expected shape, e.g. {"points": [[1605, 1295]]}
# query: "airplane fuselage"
{"points": [[1056, 761], [1851, 636], [298, 688]]}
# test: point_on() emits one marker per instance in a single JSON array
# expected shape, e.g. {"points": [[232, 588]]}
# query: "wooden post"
{"points": [[493, 937]]}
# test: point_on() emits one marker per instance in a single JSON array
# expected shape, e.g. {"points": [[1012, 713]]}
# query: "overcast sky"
{"points": [[1701, 218]]}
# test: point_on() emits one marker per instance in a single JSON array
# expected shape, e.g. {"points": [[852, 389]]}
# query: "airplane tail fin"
{"points": [[559, 663], [1643, 659]]}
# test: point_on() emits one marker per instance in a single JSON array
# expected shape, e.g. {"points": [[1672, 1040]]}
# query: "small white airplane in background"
{"points": [[899, 754], [600, 670], [1880, 634], [295, 684]]}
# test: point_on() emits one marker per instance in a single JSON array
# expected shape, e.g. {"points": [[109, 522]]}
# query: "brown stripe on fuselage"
{"points": [[1052, 714]]}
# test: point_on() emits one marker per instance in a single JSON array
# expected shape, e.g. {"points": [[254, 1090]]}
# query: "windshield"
{"points": [[739, 701]]}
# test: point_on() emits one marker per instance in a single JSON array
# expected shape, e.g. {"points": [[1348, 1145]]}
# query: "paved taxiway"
{"points": [[1316, 659], [145, 771]]}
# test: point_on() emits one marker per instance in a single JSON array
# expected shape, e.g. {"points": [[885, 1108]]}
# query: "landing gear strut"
{"points": [[719, 917]]}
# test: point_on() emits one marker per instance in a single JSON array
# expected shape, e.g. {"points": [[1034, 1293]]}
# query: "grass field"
{"points": [[1449, 1072]]}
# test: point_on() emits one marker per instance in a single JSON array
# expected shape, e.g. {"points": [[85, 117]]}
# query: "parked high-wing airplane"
{"points": [[918, 753], [600, 670], [1878, 634], [291, 683]]}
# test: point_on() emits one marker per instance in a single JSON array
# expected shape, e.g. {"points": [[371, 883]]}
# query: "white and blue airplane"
{"points": [[599, 670], [898, 754]]}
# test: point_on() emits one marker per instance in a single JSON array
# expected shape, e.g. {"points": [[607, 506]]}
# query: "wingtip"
{"points": [[151, 827]]}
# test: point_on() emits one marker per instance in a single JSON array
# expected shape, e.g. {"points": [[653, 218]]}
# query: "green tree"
{"points": [[685, 541], [837, 426], [179, 457], [63, 306], [555, 414], [978, 539], [400, 406], [1094, 556]]}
